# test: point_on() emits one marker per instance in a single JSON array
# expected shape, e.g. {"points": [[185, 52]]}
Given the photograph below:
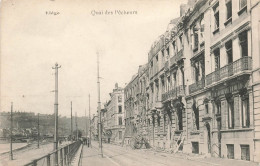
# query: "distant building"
{"points": [[94, 127], [114, 126]]}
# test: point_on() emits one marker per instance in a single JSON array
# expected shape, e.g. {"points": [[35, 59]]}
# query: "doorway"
{"points": [[208, 137]]}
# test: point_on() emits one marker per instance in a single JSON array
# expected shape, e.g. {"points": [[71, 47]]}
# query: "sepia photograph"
{"points": [[129, 82]]}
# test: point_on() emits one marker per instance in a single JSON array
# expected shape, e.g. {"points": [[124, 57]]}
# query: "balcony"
{"points": [[206, 117], [197, 86], [173, 60], [179, 55], [174, 93], [242, 64]]}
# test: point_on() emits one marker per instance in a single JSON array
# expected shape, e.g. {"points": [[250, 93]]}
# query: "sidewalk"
{"points": [[5, 148], [205, 159], [91, 156]]}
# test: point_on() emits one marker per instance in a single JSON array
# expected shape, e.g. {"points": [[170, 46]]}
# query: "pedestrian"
{"points": [[88, 142]]}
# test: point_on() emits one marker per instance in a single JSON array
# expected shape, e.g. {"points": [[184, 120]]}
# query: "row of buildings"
{"points": [[199, 91], [112, 118]]}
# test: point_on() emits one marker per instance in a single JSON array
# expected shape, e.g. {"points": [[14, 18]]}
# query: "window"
{"points": [[196, 38], [229, 9], [218, 105], [197, 116], [163, 85], [216, 15], [162, 53], [195, 147], [174, 47], [179, 116], [167, 51], [243, 43], [197, 71], [207, 108], [168, 83], [119, 99], [229, 51], [245, 152], [230, 151], [157, 90], [231, 114], [163, 57], [158, 121], [181, 42], [119, 109], [120, 134], [120, 122], [245, 113], [242, 4], [164, 122], [217, 59], [174, 79], [202, 29]]}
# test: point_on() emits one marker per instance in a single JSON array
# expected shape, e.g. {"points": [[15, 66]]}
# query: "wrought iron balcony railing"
{"points": [[174, 93], [242, 64], [197, 86]]}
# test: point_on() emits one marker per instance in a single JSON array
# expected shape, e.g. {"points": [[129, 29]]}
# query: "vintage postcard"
{"points": [[129, 82]]}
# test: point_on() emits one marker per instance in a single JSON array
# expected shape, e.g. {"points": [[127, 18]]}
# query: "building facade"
{"points": [[113, 123], [202, 87], [136, 105]]}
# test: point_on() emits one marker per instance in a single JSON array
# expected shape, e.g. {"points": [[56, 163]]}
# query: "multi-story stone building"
{"points": [[136, 106], [114, 116], [94, 127], [203, 81]]}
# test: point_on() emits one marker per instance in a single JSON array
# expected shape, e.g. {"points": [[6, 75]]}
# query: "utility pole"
{"points": [[38, 137], [11, 134], [86, 122], [76, 126], [71, 124], [99, 109], [56, 115], [89, 120]]}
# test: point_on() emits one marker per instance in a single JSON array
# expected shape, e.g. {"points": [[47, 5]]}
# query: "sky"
{"points": [[33, 39]]}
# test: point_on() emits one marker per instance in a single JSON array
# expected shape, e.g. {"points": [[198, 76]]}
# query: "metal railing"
{"points": [[65, 155], [174, 93], [244, 63], [197, 86]]}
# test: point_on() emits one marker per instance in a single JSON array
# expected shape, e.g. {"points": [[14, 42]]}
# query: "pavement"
{"points": [[5, 148], [114, 155]]}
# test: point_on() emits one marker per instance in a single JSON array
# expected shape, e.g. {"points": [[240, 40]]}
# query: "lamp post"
{"points": [[55, 161], [11, 134]]}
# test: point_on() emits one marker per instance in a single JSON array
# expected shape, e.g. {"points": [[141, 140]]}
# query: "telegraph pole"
{"points": [[11, 134], [86, 122], [56, 114], [38, 137], [89, 121], [76, 126], [99, 109], [71, 125]]}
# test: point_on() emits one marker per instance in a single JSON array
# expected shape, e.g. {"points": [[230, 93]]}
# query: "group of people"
{"points": [[86, 141]]}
